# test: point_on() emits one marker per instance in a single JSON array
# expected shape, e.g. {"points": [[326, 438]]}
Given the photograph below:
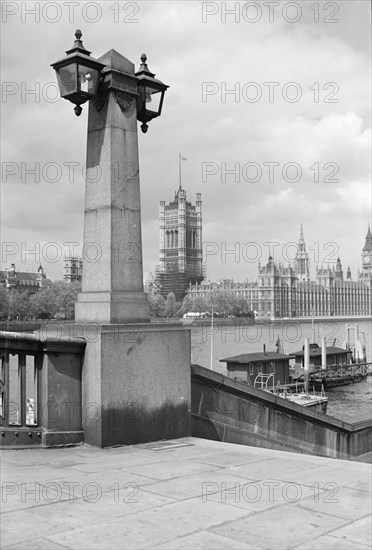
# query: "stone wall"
{"points": [[231, 411]]}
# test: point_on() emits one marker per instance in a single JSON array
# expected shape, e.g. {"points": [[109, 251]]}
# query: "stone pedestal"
{"points": [[136, 382]]}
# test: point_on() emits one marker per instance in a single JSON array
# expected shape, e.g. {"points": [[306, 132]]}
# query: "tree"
{"points": [[186, 305], [171, 307], [19, 305], [65, 297], [220, 301], [157, 303], [241, 308], [200, 305], [4, 303], [223, 303], [58, 299], [43, 304]]}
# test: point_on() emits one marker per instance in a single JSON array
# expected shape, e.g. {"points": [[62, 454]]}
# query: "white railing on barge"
{"points": [[354, 370]]}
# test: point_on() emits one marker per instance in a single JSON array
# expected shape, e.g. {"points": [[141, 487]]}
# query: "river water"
{"points": [[345, 402]]}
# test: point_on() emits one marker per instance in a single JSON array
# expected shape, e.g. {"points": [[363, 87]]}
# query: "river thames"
{"points": [[345, 402]]}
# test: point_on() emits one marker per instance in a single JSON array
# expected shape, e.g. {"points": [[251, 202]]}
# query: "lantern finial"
{"points": [[78, 43], [144, 64]]}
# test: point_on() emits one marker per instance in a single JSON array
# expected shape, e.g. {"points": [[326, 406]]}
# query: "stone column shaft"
{"points": [[112, 288]]}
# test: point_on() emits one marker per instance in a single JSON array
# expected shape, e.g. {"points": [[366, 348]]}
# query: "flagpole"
{"points": [[179, 168], [211, 363]]}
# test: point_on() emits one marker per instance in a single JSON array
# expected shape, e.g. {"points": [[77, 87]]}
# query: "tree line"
{"points": [[224, 304], [58, 301]]}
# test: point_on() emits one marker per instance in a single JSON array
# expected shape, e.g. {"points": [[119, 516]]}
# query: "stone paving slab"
{"points": [[356, 535], [170, 470], [203, 494], [204, 539], [193, 486], [277, 527], [338, 475], [155, 526], [257, 496]]}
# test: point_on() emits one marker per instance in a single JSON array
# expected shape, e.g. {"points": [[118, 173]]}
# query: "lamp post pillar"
{"points": [[136, 384], [112, 287]]}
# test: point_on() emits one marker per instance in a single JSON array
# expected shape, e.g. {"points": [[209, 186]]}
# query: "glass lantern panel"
{"points": [[88, 78], [67, 80], [152, 99]]}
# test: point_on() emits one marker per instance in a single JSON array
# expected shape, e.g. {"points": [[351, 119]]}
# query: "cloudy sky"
{"points": [[296, 131]]}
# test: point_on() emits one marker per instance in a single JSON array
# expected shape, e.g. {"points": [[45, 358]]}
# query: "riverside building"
{"points": [[24, 281], [289, 292]]}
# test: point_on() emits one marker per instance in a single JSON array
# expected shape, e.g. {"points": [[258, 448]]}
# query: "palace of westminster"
{"points": [[278, 292]]}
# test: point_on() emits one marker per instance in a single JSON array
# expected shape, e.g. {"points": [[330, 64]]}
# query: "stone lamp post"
{"points": [[112, 287], [136, 375]]}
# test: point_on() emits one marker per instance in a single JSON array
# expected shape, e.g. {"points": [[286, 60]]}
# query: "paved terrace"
{"points": [[187, 493]]}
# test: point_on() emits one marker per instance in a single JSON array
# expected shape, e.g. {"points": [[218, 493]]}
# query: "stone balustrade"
{"points": [[40, 390]]}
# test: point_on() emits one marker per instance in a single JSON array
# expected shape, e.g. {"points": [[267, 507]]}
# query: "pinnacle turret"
{"points": [[368, 244]]}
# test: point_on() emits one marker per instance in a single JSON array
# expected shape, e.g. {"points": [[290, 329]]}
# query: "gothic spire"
{"points": [[368, 243], [301, 241]]}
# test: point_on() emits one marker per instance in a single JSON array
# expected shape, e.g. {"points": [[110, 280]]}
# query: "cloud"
{"points": [[327, 128]]}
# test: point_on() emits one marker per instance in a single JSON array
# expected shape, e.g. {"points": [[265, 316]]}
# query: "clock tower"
{"points": [[365, 274], [301, 261], [367, 253]]}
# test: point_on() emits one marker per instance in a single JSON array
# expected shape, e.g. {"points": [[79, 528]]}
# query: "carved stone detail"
{"points": [[100, 100], [123, 99]]}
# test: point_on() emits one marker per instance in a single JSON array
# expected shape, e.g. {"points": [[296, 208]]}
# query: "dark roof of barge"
{"points": [[257, 357], [316, 351]]}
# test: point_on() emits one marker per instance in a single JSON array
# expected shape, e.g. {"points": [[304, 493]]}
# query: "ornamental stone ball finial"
{"points": [[78, 42], [144, 64]]}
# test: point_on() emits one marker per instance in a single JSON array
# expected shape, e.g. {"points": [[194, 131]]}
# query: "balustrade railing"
{"points": [[40, 390], [353, 370], [19, 397]]}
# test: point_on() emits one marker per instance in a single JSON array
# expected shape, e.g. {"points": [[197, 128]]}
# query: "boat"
{"points": [[348, 365], [317, 402], [290, 392], [318, 379]]}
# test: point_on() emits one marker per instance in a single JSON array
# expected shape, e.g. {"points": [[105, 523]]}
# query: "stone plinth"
{"points": [[136, 382]]}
